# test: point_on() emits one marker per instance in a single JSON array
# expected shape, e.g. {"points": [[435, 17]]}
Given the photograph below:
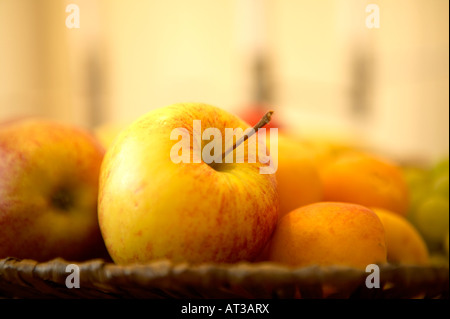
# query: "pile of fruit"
{"points": [[145, 192]]}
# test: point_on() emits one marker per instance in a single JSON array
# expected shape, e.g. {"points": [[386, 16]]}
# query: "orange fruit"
{"points": [[366, 180], [329, 233], [297, 175], [404, 243]]}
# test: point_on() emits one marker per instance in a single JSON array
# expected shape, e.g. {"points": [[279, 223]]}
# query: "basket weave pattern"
{"points": [[163, 279]]}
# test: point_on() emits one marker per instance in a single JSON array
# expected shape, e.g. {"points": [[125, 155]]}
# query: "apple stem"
{"points": [[264, 121]]}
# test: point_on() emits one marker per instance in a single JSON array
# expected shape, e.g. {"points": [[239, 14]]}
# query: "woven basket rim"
{"points": [[100, 278]]}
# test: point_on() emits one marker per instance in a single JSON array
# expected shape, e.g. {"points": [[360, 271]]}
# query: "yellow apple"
{"points": [[48, 191], [404, 243], [153, 207]]}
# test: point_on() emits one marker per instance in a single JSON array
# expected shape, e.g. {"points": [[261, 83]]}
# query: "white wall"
{"points": [[129, 57]]}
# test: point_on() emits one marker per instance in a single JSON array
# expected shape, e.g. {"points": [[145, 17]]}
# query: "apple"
{"points": [[440, 168], [429, 205], [151, 207], [254, 113], [48, 191], [432, 220], [438, 259]]}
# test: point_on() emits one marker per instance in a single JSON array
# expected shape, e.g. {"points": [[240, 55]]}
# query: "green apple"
{"points": [[440, 185], [417, 196], [438, 259], [440, 168], [415, 176], [152, 207], [432, 220], [48, 191]]}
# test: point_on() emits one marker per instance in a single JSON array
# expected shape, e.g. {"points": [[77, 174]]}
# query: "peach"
{"points": [[329, 233], [367, 180], [297, 176]]}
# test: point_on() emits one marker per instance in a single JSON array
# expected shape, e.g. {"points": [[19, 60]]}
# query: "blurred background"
{"points": [[324, 66]]}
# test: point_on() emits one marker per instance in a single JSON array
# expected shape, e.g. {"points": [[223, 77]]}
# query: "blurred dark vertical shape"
{"points": [[263, 90], [362, 74]]}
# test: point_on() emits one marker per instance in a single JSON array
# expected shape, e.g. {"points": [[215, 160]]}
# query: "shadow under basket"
{"points": [[99, 279]]}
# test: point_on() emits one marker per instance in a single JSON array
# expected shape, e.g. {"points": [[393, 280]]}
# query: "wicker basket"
{"points": [[163, 279]]}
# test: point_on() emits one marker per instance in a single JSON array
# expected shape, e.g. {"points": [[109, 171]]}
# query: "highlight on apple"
{"points": [[211, 153]]}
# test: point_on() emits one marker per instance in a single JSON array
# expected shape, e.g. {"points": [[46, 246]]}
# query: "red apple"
{"points": [[254, 113], [48, 191]]}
